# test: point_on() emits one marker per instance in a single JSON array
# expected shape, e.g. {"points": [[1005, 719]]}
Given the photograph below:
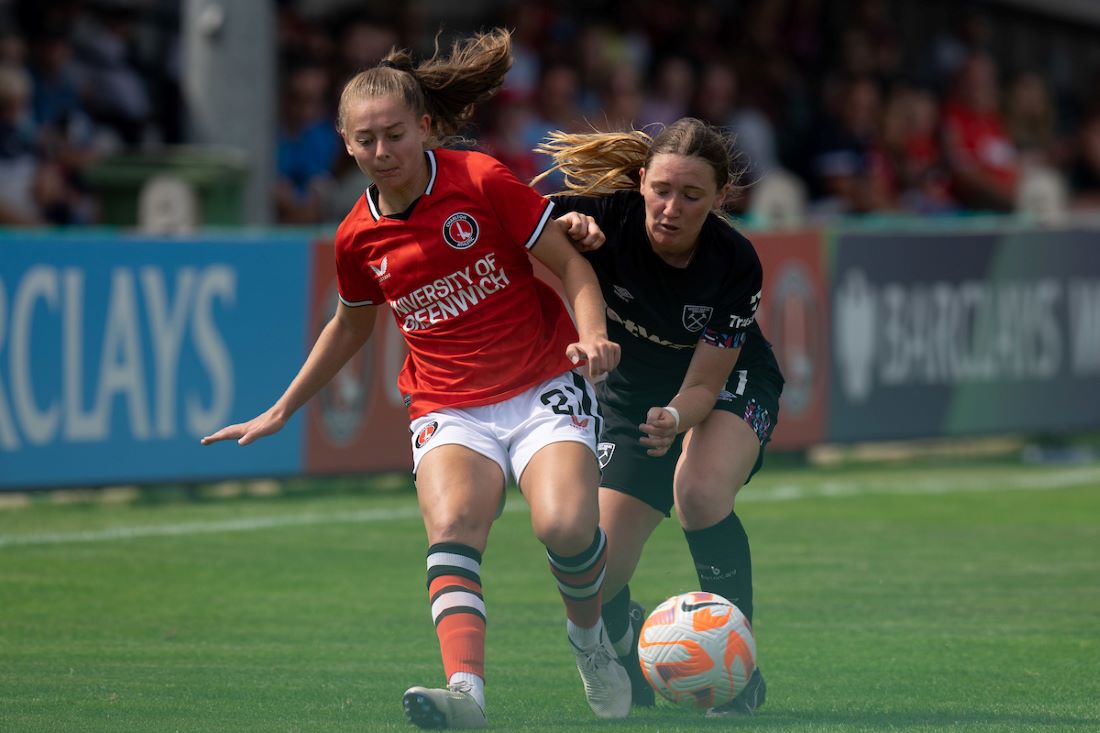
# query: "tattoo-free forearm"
{"points": [[337, 343]]}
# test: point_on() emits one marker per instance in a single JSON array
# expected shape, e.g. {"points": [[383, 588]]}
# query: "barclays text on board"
{"points": [[116, 356]]}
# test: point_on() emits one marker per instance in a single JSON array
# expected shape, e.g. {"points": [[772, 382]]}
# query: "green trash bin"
{"points": [[217, 176]]}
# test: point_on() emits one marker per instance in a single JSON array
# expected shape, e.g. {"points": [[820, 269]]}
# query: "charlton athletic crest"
{"points": [[426, 433], [460, 230], [697, 316]]}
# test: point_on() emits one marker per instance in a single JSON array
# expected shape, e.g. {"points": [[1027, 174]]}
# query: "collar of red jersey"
{"points": [[433, 171]]}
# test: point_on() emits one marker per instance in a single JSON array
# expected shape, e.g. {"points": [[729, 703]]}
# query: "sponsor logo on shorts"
{"points": [[581, 423], [604, 451], [697, 316], [460, 230], [426, 433]]}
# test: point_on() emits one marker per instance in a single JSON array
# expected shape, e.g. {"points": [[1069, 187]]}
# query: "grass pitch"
{"points": [[957, 596]]}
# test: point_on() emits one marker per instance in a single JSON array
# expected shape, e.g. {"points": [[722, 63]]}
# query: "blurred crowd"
{"points": [[871, 111]]}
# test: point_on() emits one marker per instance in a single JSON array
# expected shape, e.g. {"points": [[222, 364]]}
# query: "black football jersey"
{"points": [[658, 313]]}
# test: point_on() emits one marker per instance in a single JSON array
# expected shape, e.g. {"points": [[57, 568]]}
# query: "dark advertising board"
{"points": [[944, 334]]}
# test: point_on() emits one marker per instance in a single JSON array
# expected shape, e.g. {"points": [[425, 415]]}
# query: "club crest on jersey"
{"points": [[426, 433], [460, 230], [697, 316], [604, 451]]}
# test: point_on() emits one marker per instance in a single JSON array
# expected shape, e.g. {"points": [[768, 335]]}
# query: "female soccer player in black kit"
{"points": [[696, 394]]}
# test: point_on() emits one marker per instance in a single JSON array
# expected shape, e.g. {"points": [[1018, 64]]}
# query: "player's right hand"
{"points": [[244, 433], [582, 230], [660, 431]]}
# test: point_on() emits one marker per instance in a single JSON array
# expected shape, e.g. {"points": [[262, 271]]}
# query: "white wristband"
{"points": [[675, 415]]}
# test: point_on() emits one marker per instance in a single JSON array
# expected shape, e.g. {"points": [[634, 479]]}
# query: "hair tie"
{"points": [[387, 64]]}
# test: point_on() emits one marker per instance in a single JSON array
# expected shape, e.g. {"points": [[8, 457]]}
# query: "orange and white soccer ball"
{"points": [[697, 649]]}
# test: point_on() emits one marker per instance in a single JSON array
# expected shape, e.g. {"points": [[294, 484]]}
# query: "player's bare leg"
{"points": [[459, 492], [558, 483]]}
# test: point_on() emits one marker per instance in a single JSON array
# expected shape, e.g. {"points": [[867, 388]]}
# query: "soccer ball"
{"points": [[697, 649]]}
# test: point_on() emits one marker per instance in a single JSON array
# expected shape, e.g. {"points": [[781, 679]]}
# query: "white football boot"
{"points": [[606, 682], [453, 708]]}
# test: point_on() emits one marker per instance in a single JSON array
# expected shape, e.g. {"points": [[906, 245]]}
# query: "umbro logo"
{"points": [[622, 293]]}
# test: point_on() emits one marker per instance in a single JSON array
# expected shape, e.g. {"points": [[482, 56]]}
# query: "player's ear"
{"points": [[723, 195], [641, 176], [425, 126]]}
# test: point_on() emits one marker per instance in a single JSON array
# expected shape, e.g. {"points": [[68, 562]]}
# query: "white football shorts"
{"points": [[563, 408]]}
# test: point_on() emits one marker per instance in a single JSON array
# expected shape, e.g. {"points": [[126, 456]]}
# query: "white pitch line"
{"points": [[1066, 478], [227, 525]]}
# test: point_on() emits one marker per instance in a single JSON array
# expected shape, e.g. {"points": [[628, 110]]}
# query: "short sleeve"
{"points": [[594, 206], [521, 211], [354, 286], [729, 328]]}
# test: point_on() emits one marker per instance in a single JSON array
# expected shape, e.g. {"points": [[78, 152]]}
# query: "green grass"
{"points": [[957, 596]]}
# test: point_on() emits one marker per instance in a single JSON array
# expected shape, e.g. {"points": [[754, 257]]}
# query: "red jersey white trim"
{"points": [[457, 275]]}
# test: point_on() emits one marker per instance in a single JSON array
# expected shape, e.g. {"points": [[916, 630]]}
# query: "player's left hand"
{"points": [[600, 354], [582, 230], [660, 430]]}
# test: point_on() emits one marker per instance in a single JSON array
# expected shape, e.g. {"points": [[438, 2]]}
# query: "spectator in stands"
{"points": [[362, 42], [979, 152], [1031, 120], [844, 163], [622, 99], [307, 146], [717, 101], [555, 109], [32, 190], [64, 128], [913, 172], [112, 85], [672, 92], [1084, 172]]}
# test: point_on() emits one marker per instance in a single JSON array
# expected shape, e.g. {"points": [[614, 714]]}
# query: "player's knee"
{"points": [[457, 527], [565, 535], [701, 503]]}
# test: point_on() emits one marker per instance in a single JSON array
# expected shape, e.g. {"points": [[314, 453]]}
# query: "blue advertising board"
{"points": [[118, 354]]}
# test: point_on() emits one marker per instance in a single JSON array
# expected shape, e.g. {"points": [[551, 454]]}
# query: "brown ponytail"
{"points": [[444, 87]]}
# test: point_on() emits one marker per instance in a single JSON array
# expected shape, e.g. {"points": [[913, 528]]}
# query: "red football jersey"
{"points": [[455, 270]]}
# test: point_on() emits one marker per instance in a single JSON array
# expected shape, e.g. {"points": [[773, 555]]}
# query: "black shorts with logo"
{"points": [[752, 392]]}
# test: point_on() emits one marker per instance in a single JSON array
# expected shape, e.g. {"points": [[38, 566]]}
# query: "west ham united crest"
{"points": [[697, 316], [460, 230]]}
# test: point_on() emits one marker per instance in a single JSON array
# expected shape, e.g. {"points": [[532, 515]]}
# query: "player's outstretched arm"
{"points": [[582, 291], [344, 335]]}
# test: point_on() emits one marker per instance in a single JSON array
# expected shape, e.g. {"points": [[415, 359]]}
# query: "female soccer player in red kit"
{"points": [[443, 237]]}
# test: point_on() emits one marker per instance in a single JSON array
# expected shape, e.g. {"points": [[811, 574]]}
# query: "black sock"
{"points": [[723, 562], [616, 615]]}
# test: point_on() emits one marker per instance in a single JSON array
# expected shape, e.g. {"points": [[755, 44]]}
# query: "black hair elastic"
{"points": [[387, 64]]}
